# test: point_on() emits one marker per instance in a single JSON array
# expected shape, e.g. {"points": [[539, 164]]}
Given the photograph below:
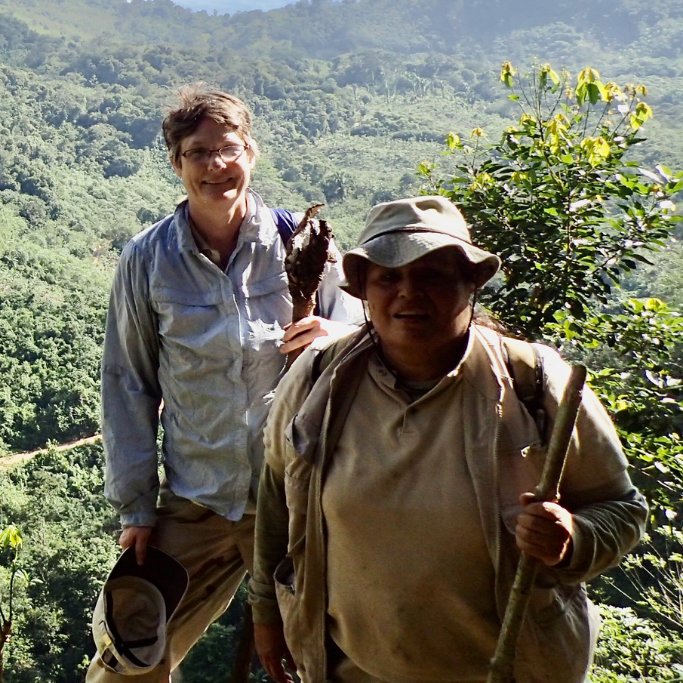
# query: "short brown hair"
{"points": [[196, 102]]}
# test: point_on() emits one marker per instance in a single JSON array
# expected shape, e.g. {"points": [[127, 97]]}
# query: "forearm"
{"points": [[603, 533], [272, 526]]}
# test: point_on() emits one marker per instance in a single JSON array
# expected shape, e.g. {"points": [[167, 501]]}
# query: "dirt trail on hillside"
{"points": [[16, 458]]}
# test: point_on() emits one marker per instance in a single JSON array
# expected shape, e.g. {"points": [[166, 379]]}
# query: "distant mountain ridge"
{"points": [[232, 6], [326, 28]]}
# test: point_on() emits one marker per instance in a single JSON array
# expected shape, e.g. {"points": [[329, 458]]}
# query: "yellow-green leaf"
{"points": [[507, 71], [10, 537], [597, 150], [481, 181], [452, 140], [642, 114], [588, 75]]}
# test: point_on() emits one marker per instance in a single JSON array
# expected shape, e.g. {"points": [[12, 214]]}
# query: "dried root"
{"points": [[307, 254]]}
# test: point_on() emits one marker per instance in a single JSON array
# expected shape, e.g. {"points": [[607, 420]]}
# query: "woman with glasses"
{"points": [[197, 335]]}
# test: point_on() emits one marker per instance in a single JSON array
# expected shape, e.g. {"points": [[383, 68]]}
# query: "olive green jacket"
{"points": [[505, 457]]}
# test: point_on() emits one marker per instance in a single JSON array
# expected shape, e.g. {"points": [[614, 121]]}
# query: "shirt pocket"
{"points": [[192, 324], [520, 472], [268, 300], [268, 310], [289, 604]]}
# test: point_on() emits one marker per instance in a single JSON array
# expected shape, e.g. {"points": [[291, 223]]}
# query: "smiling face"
{"points": [[421, 309], [215, 185]]}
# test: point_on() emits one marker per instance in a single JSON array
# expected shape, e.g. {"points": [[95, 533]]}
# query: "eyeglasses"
{"points": [[204, 156]]}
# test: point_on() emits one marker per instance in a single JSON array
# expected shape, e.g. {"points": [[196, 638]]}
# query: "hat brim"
{"points": [[396, 249]]}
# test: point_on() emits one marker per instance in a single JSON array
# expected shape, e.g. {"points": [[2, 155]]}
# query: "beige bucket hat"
{"points": [[399, 232], [136, 603]]}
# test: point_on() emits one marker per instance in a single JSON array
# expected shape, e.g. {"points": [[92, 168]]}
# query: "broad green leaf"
{"points": [[665, 171], [452, 141], [650, 175], [10, 537], [507, 72]]}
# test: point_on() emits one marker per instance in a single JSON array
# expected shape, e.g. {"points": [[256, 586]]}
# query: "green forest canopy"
{"points": [[350, 97]]}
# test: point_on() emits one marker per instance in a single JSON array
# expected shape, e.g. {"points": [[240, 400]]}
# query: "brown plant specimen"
{"points": [[308, 250]]}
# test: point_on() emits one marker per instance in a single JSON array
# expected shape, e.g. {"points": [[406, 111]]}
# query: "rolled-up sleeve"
{"points": [[131, 394], [609, 513]]}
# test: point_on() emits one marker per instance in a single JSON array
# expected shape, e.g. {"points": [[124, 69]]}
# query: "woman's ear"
{"points": [[176, 165]]}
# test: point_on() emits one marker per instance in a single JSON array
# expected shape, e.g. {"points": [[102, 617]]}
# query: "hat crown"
{"points": [[415, 214], [399, 232], [133, 608]]}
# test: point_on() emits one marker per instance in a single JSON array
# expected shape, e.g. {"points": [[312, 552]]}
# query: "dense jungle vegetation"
{"points": [[354, 101]]}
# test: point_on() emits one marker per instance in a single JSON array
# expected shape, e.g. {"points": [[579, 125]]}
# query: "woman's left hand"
{"points": [[300, 334], [544, 530], [273, 652]]}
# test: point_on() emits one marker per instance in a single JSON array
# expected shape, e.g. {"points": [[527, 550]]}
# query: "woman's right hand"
{"points": [[272, 651], [136, 537]]}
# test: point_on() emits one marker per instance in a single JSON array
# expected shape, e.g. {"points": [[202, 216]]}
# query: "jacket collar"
{"points": [[305, 430]]}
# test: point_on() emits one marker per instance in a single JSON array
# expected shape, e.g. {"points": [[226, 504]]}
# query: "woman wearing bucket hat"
{"points": [[394, 499]]}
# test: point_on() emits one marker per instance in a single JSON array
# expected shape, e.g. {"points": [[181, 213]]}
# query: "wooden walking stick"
{"points": [[502, 664], [308, 250], [244, 654]]}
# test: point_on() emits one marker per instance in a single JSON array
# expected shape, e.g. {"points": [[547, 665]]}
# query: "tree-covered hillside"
{"points": [[349, 97]]}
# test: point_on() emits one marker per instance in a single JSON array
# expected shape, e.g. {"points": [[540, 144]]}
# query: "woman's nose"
{"points": [[409, 286], [216, 160]]}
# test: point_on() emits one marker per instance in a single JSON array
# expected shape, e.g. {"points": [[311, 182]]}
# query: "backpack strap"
{"points": [[286, 223], [522, 360], [322, 359], [526, 369]]}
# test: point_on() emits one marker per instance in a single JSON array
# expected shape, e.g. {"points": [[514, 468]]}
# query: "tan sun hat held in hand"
{"points": [[136, 603]]}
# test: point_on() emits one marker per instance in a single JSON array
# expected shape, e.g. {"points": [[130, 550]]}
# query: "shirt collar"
{"points": [[257, 226], [383, 375]]}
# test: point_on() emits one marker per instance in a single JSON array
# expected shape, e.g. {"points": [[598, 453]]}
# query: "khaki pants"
{"points": [[343, 670], [216, 554]]}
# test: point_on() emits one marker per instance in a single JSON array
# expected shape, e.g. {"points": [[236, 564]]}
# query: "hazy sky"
{"points": [[232, 6]]}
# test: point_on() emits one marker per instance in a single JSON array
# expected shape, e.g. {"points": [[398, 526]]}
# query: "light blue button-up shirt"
{"points": [[206, 341]]}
